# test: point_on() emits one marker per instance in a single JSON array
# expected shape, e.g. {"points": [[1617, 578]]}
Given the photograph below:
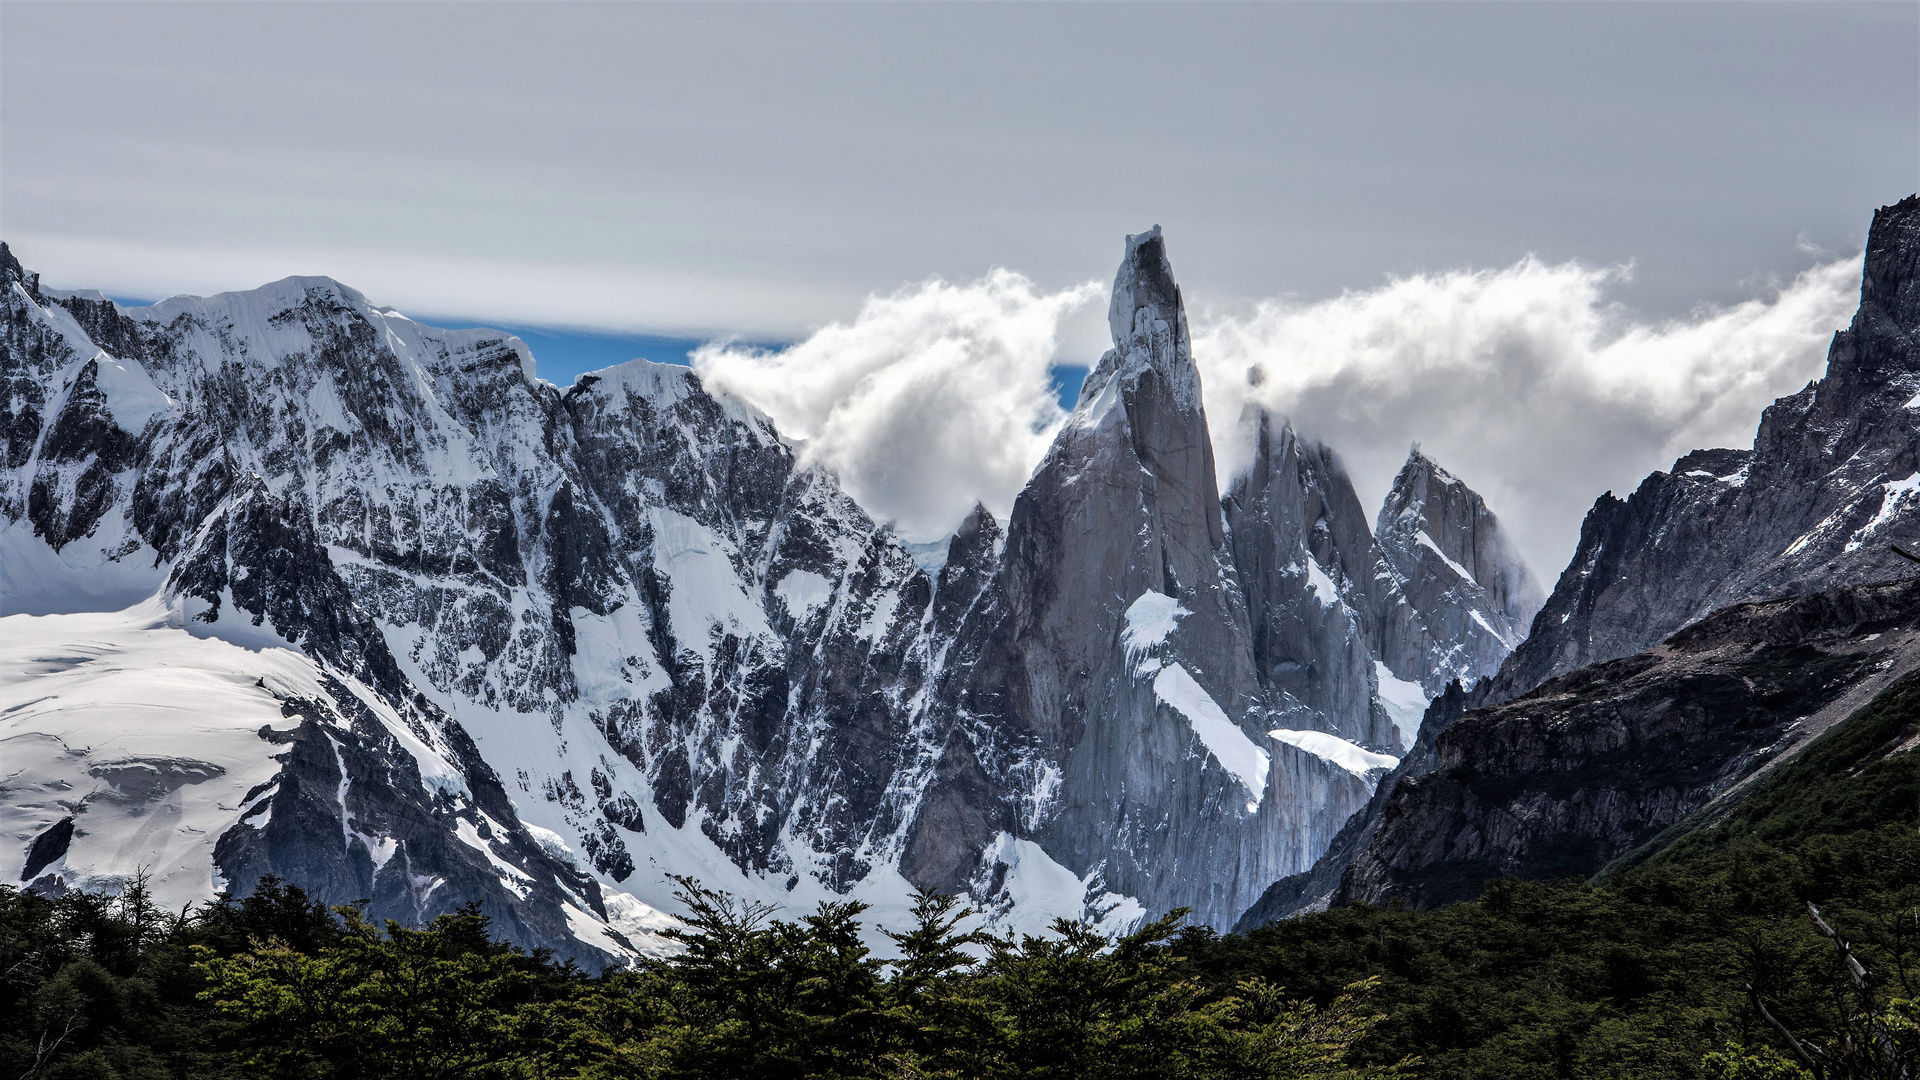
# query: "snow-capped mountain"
{"points": [[292, 584], [1443, 555]]}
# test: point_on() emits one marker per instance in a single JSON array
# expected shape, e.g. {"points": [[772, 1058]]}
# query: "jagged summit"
{"points": [[1443, 554], [11, 272], [1148, 320], [1366, 629], [1144, 284], [1890, 278], [1456, 519]]}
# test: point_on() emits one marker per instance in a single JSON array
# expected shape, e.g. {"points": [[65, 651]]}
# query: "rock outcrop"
{"points": [[1452, 595], [1305, 556]]}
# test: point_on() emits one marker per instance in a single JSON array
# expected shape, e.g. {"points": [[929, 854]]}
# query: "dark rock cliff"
{"points": [[1590, 765]]}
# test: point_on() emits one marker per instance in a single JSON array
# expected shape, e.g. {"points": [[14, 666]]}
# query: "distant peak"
{"points": [[1421, 468], [11, 271]]}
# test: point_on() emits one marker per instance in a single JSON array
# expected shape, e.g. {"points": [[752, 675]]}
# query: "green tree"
{"points": [[433, 1004]]}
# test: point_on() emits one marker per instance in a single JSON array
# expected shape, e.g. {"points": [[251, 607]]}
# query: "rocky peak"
{"points": [[1146, 315], [1890, 282], [1148, 320], [1428, 501], [1305, 559], [11, 271], [1466, 594]]}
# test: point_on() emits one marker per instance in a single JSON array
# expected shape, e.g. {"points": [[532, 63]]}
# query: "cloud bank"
{"points": [[933, 398], [1527, 381]]}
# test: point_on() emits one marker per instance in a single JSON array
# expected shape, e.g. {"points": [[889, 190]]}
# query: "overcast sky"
{"points": [[695, 171]]}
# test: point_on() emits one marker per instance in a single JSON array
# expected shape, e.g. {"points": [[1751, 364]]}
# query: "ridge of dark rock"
{"points": [[1590, 765]]}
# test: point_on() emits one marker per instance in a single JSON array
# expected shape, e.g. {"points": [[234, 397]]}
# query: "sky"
{"points": [[1555, 243]]}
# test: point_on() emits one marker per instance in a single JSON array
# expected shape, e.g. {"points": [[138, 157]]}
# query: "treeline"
{"points": [[1703, 962], [276, 985]]}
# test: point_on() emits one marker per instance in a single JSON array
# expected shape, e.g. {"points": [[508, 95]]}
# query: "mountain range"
{"points": [[1707, 628], [291, 584], [297, 586]]}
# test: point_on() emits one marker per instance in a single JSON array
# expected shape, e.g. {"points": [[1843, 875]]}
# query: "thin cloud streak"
{"points": [[607, 299]]}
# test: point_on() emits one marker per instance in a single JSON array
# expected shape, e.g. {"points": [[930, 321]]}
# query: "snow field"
{"points": [[96, 713]]}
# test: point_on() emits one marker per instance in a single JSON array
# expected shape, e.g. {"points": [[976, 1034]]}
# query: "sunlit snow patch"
{"points": [[1150, 619], [131, 395], [1895, 494], [1037, 890], [706, 590], [1323, 588], [1337, 750], [96, 711], [1426, 541], [1405, 702], [1223, 738], [640, 923]]}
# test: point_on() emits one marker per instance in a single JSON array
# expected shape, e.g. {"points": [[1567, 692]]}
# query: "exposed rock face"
{"points": [[552, 646], [1591, 765], [1444, 557], [1108, 710], [1832, 479], [1828, 486], [1315, 889], [1303, 552]]}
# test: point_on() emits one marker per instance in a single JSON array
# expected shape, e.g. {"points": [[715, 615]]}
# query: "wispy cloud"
{"points": [[932, 398], [619, 299], [1526, 381]]}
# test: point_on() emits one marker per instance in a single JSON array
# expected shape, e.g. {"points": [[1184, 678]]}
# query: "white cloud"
{"points": [[1525, 381], [932, 398]]}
